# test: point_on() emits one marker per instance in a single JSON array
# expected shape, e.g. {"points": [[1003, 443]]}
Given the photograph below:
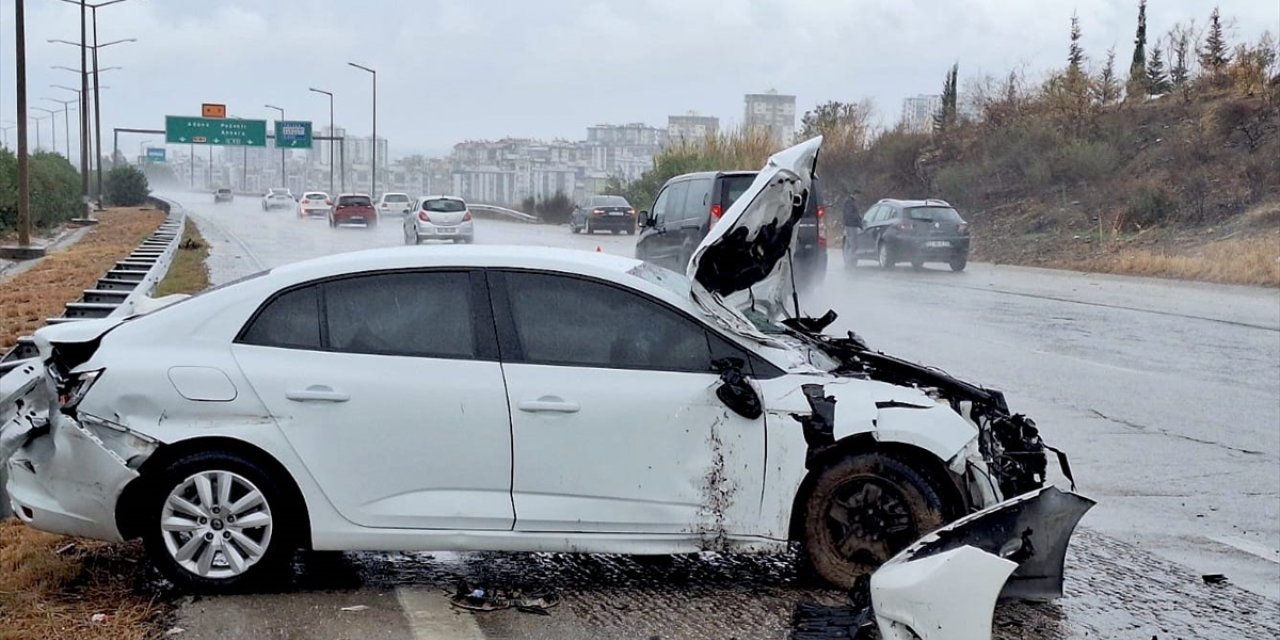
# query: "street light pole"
{"points": [[53, 127], [142, 148], [374, 178], [97, 102], [284, 179], [66, 122], [330, 94], [84, 106]]}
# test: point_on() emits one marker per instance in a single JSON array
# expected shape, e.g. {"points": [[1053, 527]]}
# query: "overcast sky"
{"points": [[455, 70]]}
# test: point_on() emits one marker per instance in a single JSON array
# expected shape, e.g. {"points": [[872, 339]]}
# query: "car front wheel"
{"points": [[218, 523], [864, 509]]}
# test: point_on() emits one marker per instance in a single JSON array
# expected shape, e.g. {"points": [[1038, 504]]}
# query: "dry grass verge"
{"points": [[187, 273], [1253, 260], [32, 296], [52, 586]]}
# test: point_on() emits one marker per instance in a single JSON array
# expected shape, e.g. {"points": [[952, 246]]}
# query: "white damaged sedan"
{"points": [[505, 398]]}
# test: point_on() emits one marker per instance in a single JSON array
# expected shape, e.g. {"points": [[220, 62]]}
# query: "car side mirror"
{"points": [[735, 389], [643, 219]]}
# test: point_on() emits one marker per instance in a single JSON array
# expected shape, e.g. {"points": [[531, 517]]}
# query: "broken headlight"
{"points": [[72, 389]]}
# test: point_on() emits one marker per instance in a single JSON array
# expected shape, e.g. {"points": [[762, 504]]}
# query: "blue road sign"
{"points": [[293, 134], [155, 154]]}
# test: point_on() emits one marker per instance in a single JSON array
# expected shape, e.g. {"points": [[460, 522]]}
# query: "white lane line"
{"points": [[431, 617], [1248, 547]]}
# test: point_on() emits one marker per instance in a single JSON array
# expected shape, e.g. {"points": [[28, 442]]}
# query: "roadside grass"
{"points": [[52, 586], [29, 298], [1253, 260], [187, 273]]}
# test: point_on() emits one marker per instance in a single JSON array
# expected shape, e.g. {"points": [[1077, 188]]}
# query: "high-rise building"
{"points": [[691, 127], [918, 112], [771, 113]]}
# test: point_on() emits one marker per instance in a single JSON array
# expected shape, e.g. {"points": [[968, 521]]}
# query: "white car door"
{"points": [[615, 422], [388, 387]]}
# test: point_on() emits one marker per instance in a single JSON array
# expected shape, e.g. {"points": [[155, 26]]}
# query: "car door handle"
{"points": [[552, 404], [316, 393]]}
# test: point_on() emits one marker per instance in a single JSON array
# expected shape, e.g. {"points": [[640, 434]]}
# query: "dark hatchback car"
{"points": [[603, 213], [353, 208], [689, 205], [914, 231]]}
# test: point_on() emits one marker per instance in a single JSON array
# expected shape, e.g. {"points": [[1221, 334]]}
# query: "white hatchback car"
{"points": [[506, 398], [315, 204], [439, 218], [278, 198], [394, 204]]}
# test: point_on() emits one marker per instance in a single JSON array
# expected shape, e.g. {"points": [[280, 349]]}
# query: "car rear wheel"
{"points": [[917, 264], [885, 257], [864, 509], [218, 522], [959, 263]]}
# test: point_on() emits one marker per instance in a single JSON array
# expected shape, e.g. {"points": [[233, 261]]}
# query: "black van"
{"points": [[689, 205]]}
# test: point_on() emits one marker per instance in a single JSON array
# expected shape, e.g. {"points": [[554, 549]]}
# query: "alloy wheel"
{"points": [[216, 524]]}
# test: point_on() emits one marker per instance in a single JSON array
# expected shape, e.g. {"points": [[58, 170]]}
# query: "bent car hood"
{"points": [[743, 262]]}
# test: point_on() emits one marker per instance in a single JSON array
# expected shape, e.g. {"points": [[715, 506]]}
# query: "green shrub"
{"points": [[959, 184], [54, 186], [1149, 205], [556, 209], [125, 186]]}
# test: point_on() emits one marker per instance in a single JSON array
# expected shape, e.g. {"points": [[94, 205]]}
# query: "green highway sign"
{"points": [[293, 134], [219, 131]]}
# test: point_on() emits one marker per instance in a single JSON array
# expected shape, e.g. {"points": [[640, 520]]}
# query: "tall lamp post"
{"points": [[142, 149], [80, 100], [97, 101], [330, 94], [374, 189], [66, 121], [53, 127], [284, 179]]}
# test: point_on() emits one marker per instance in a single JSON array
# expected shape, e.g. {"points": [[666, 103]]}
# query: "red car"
{"points": [[353, 208]]}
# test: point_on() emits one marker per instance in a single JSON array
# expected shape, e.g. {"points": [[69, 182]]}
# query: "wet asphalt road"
{"points": [[1165, 394]]}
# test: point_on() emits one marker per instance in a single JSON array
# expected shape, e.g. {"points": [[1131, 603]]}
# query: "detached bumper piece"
{"points": [[945, 586]]}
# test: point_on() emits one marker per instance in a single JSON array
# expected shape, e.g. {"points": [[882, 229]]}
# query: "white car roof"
{"points": [[569, 260]]}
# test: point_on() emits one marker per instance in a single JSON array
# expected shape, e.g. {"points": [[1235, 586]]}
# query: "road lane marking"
{"points": [[1249, 547], [431, 617]]}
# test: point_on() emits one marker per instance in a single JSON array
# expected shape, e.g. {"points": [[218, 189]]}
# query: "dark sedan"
{"points": [[603, 213], [914, 231]]}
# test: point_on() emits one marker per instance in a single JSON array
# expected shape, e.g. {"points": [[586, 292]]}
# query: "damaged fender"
{"points": [[946, 584]]}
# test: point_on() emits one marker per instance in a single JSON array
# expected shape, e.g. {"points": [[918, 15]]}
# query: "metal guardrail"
{"points": [[493, 209], [117, 292]]}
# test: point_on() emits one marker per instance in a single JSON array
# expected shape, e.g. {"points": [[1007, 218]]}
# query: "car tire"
{"points": [[616, 231], [865, 490], [917, 264], [959, 263], [171, 527], [885, 257], [590, 231], [631, 231]]}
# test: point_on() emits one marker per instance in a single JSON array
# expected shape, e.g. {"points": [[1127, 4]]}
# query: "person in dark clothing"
{"points": [[851, 214]]}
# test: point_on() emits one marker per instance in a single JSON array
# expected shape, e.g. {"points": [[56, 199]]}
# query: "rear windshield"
{"points": [[444, 205], [933, 214], [354, 201], [396, 197], [315, 196], [732, 187], [609, 201], [224, 191], [279, 192]]}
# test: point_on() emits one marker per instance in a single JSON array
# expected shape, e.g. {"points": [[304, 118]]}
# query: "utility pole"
{"points": [[84, 105], [24, 183], [374, 178]]}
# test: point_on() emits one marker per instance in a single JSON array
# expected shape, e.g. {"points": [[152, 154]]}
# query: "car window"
{"points": [[395, 197], [609, 201], [660, 204], [425, 314], [354, 201], [675, 201], [444, 205], [732, 187], [697, 204], [934, 214], [279, 192], [570, 321], [889, 213], [872, 213], [291, 321]]}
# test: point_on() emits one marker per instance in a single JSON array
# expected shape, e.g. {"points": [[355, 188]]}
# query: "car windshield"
{"points": [[444, 205], [609, 201], [934, 214], [279, 192], [395, 197], [354, 201], [734, 187], [224, 191]]}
